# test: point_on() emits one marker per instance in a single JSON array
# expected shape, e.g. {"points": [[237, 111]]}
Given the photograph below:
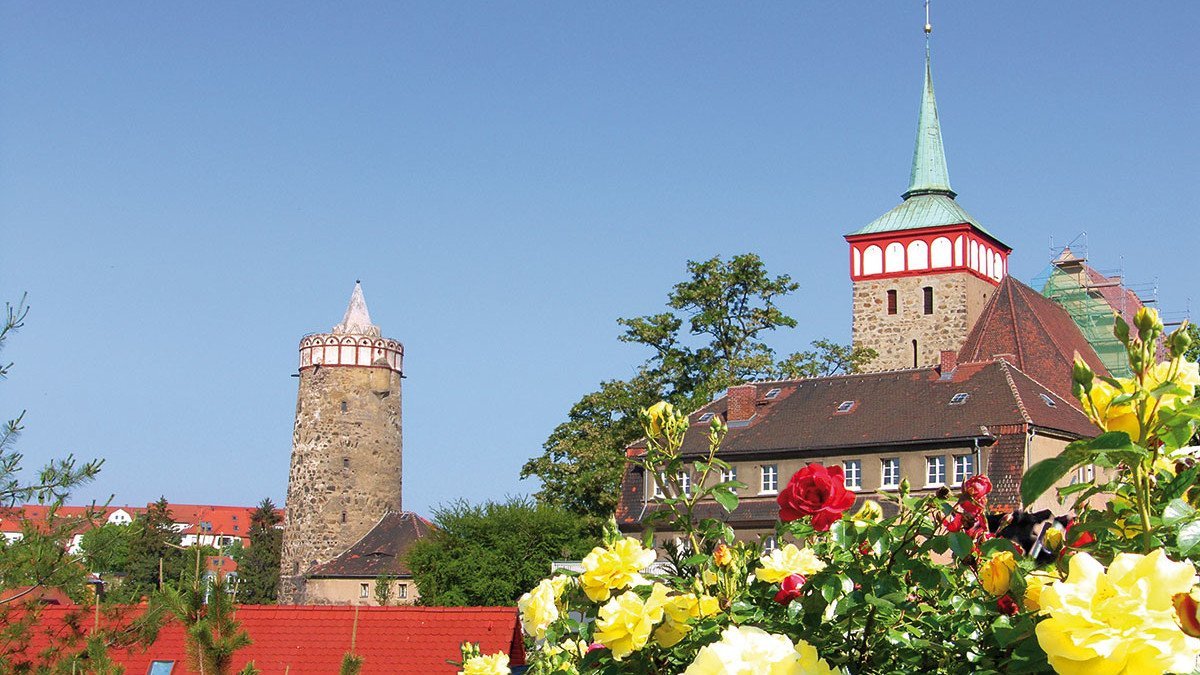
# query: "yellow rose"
{"points": [[539, 607], [613, 568], [1117, 621], [1034, 583], [746, 650], [1053, 538], [625, 623], [1119, 417], [869, 512], [492, 664], [784, 562], [658, 414], [996, 574]]}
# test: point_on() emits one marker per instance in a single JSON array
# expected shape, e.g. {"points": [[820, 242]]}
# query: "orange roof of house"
{"points": [[299, 640]]}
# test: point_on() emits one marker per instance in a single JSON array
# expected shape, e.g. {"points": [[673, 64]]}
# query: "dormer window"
{"points": [[773, 393], [846, 406], [1048, 401], [705, 417], [959, 398]]}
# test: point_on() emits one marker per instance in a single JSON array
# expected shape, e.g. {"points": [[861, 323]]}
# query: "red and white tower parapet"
{"points": [[353, 342]]}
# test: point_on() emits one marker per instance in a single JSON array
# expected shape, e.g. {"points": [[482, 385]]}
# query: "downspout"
{"points": [[1029, 446]]}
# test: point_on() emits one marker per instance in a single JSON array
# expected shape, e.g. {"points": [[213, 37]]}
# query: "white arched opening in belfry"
{"points": [[872, 260], [857, 261], [893, 257], [918, 255], [939, 253]]}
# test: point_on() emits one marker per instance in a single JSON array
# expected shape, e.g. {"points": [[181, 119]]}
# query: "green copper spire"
{"points": [[929, 174]]}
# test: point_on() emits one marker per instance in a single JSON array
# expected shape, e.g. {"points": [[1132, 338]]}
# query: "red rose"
{"points": [[955, 523], [790, 589], [816, 491], [1007, 605], [977, 487]]}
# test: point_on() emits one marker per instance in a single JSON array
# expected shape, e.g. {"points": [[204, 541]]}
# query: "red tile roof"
{"points": [[1039, 335], [300, 640]]}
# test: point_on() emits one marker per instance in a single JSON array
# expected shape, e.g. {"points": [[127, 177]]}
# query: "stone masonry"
{"points": [[958, 300]]}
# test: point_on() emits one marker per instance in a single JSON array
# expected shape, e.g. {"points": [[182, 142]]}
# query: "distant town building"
{"points": [[351, 578]]}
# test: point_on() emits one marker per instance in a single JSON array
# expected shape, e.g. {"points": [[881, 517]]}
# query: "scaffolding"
{"points": [[1093, 298]]}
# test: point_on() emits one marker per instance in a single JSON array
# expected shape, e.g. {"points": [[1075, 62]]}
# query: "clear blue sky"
{"points": [[187, 189]]}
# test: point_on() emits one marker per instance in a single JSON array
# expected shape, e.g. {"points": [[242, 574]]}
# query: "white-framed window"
{"points": [[729, 474], [685, 482], [959, 398], [852, 468], [890, 470], [769, 543], [705, 417], [364, 590], [935, 470], [964, 468], [402, 591], [773, 393], [1085, 474], [845, 406], [658, 486], [770, 478]]}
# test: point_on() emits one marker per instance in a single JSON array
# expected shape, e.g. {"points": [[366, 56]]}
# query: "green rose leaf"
{"points": [[1177, 510], [727, 498], [1189, 536]]}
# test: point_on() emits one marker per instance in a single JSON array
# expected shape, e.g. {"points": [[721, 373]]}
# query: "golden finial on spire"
{"points": [[928, 26]]}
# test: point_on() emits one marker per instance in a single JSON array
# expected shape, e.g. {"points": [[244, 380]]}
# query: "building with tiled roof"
{"points": [[350, 578], [307, 640], [973, 374]]}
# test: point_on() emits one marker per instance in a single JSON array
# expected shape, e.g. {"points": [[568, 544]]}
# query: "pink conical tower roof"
{"points": [[357, 320]]}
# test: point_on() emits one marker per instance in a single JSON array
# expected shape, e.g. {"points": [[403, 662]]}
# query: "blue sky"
{"points": [[187, 189]]}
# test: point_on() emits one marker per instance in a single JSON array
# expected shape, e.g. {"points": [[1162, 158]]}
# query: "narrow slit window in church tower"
{"points": [[928, 299], [892, 301], [914, 353]]}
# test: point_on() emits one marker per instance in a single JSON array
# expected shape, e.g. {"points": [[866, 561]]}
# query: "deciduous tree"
{"points": [[490, 554], [713, 336]]}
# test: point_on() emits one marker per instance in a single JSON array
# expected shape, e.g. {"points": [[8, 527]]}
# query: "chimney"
{"points": [[949, 361], [741, 402]]}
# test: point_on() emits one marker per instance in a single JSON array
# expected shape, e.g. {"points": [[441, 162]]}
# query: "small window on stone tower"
{"points": [[928, 299], [343, 516], [892, 301], [345, 462], [914, 353], [345, 407]]}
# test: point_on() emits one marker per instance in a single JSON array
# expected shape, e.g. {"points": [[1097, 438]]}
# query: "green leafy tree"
{"points": [[490, 554], [258, 567], [154, 554], [383, 589], [711, 337], [106, 548]]}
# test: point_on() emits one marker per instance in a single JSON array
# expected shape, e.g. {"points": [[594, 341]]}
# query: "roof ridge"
{"points": [[1016, 335], [1072, 402], [1012, 386]]}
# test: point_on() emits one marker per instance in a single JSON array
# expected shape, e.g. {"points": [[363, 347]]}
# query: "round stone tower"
{"points": [[346, 447]]}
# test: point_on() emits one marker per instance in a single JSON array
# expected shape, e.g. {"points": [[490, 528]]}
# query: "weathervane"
{"points": [[928, 26]]}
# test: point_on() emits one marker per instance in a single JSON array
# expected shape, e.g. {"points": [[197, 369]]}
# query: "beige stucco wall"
{"points": [[958, 300], [1045, 447], [349, 592], [912, 466]]}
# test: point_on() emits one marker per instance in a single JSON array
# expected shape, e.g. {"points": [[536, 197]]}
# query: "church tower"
{"points": [[346, 447], [923, 271]]}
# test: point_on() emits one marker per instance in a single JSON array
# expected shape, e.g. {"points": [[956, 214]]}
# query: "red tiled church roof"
{"points": [[300, 640], [1038, 334]]}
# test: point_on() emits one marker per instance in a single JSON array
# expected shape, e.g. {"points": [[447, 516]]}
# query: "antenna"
{"points": [[928, 26]]}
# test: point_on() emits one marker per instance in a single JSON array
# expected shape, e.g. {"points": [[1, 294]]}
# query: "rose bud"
{"points": [[790, 588], [722, 556], [1187, 610], [977, 487], [1007, 605]]}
